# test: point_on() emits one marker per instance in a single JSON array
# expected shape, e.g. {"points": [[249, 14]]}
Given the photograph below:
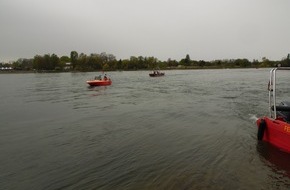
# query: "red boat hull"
{"points": [[99, 82], [276, 132]]}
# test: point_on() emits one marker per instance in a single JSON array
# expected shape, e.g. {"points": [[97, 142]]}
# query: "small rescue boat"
{"points": [[275, 128], [156, 73], [99, 81]]}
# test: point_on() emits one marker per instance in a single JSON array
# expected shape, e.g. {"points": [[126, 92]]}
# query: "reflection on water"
{"points": [[99, 90], [277, 159], [278, 162], [192, 129]]}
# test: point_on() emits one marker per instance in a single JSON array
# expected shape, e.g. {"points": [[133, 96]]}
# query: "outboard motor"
{"points": [[285, 112]]}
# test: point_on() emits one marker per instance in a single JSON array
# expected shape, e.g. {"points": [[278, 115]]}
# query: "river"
{"points": [[191, 129]]}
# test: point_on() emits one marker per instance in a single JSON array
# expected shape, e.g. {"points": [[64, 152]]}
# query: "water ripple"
{"points": [[192, 129]]}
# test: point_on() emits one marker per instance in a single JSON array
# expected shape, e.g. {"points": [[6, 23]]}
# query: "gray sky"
{"points": [[204, 29]]}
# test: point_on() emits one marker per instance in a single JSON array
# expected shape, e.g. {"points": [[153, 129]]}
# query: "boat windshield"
{"points": [[98, 77]]}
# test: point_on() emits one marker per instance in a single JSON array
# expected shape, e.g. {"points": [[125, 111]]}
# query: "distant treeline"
{"points": [[105, 62]]}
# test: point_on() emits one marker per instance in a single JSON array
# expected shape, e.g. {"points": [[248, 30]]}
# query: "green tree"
{"points": [[23, 64], [288, 60], [133, 64], [152, 62], [119, 65], [125, 63], [201, 63], [242, 63], [38, 62], [54, 62], [82, 62], [95, 62], [64, 60], [186, 61], [111, 61], [172, 63], [73, 58]]}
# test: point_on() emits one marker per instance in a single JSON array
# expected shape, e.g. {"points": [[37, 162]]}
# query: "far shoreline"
{"points": [[69, 71]]}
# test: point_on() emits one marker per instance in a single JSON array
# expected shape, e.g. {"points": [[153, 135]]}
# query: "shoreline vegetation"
{"points": [[12, 71], [108, 62]]}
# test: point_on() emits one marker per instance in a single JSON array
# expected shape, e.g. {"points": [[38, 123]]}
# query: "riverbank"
{"points": [[170, 68]]}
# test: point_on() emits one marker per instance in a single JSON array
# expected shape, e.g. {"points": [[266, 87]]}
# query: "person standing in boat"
{"points": [[105, 77]]}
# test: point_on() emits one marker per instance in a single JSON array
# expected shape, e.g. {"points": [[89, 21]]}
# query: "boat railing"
{"points": [[272, 91]]}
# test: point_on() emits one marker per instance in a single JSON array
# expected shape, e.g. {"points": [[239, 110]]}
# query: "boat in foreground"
{"points": [[100, 81], [156, 74], [275, 128]]}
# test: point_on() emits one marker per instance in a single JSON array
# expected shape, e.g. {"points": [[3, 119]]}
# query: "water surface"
{"points": [[192, 129]]}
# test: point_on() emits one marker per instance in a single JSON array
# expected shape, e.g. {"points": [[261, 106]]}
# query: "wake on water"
{"points": [[253, 118]]}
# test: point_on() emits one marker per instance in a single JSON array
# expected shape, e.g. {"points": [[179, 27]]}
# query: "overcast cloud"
{"points": [[204, 29]]}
